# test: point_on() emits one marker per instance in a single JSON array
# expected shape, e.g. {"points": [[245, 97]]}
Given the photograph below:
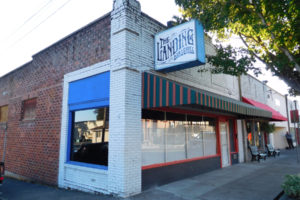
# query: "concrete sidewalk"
{"points": [[242, 181]]}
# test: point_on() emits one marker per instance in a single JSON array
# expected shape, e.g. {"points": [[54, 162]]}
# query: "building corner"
{"points": [[124, 171]]}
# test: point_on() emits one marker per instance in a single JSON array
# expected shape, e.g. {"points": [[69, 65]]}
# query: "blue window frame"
{"points": [[88, 121]]}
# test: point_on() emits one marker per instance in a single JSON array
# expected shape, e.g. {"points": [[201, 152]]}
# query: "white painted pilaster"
{"points": [[124, 168], [240, 141]]}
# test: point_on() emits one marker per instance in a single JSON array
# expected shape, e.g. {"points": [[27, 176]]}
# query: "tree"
{"points": [[267, 128], [269, 30]]}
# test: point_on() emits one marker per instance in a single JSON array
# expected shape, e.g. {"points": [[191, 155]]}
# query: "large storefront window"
{"points": [[195, 140], [175, 141], [90, 135], [255, 136], [171, 137], [153, 141], [249, 133]]}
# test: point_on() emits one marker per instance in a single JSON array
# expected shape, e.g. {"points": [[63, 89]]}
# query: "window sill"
{"points": [[3, 125], [27, 120], [87, 167]]}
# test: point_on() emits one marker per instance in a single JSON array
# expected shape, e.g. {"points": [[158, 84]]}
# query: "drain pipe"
{"points": [[4, 142], [2, 165]]}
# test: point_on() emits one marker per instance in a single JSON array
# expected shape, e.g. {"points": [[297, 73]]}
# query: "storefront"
{"points": [[187, 131], [184, 131]]}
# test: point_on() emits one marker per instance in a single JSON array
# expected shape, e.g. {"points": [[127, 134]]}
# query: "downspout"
{"points": [[4, 142], [2, 165]]}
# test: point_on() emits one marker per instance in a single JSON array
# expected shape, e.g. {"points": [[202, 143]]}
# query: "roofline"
{"points": [[55, 43], [16, 69], [73, 33], [265, 84], [154, 20]]}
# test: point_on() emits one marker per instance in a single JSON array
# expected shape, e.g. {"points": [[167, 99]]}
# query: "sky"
{"points": [[30, 26]]}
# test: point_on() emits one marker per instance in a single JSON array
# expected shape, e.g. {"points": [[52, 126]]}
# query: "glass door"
{"points": [[224, 144]]}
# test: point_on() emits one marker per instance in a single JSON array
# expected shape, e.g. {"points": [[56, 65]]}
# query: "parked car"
{"points": [[94, 153], [2, 170]]}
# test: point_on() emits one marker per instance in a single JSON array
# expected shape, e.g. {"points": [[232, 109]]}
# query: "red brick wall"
{"points": [[33, 146]]}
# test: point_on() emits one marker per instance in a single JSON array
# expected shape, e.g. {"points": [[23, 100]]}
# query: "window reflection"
{"points": [[90, 136]]}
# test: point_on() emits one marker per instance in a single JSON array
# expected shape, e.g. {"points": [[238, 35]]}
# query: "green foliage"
{"points": [[270, 31], [266, 127], [291, 186], [231, 61]]}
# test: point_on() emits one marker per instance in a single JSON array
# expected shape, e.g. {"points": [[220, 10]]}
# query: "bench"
{"points": [[272, 151], [256, 155]]}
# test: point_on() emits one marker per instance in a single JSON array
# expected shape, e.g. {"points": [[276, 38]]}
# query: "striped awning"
{"points": [[161, 92]]}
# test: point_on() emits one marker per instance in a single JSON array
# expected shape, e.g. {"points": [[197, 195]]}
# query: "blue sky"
{"points": [[29, 26]]}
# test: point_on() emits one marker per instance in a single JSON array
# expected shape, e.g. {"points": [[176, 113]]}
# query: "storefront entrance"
{"points": [[224, 144]]}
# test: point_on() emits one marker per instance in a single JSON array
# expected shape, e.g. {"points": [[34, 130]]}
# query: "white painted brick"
{"points": [[124, 171]]}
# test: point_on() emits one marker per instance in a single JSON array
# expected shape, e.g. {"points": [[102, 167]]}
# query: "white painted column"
{"points": [[240, 141], [124, 168]]}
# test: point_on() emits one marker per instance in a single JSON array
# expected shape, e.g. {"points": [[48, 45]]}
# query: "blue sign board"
{"points": [[180, 47]]}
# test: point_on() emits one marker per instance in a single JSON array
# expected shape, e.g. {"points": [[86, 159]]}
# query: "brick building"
{"points": [[91, 113], [33, 141]]}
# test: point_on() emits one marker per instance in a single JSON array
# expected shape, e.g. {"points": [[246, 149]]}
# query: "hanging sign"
{"points": [[294, 116], [180, 47]]}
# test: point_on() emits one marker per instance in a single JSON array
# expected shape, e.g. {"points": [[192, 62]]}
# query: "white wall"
{"points": [[253, 89], [277, 101], [279, 138]]}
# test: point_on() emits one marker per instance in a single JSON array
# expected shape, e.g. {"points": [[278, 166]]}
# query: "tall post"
{"points": [[296, 130], [296, 124], [287, 112]]}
